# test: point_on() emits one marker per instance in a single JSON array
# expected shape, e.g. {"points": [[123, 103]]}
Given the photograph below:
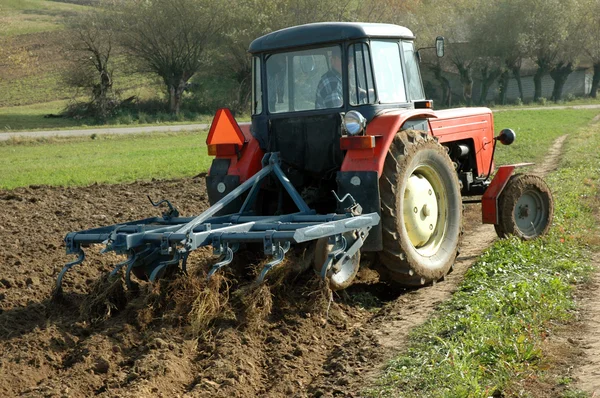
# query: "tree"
{"points": [[547, 25], [591, 46], [233, 59], [454, 22], [169, 38], [570, 49], [498, 30], [89, 50]]}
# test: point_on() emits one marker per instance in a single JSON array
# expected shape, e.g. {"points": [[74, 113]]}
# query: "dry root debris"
{"points": [[106, 298]]}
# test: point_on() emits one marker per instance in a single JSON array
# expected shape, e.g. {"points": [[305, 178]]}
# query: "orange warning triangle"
{"points": [[224, 129]]}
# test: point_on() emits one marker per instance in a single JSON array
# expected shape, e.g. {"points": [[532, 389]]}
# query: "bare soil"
{"points": [[287, 338]]}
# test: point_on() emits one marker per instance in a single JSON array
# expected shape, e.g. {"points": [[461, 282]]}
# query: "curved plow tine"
{"points": [[331, 257], [158, 271], [278, 258], [227, 259], [130, 260], [130, 265], [67, 267], [184, 263]]}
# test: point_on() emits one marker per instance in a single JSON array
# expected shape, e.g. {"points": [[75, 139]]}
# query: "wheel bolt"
{"points": [[416, 210], [431, 227], [430, 192]]}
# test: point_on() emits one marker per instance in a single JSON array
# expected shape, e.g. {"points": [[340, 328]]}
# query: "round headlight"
{"points": [[354, 123]]}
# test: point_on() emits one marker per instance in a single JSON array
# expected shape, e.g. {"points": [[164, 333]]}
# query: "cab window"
{"points": [[293, 78], [413, 77], [388, 71], [256, 87], [360, 75]]}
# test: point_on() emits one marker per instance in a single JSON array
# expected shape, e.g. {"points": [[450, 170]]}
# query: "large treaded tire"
{"points": [[416, 154], [525, 207]]}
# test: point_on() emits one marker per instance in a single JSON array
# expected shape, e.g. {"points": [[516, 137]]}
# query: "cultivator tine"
{"points": [[130, 266], [158, 271], [184, 263], [130, 260], [67, 267], [278, 258], [227, 259]]}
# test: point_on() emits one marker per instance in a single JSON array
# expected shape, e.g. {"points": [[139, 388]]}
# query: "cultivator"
{"points": [[157, 245]]}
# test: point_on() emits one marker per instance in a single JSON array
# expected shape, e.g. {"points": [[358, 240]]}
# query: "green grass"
{"points": [[18, 17], [103, 159], [536, 131], [489, 336]]}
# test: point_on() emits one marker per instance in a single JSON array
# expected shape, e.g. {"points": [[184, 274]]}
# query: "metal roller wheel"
{"points": [[341, 274]]}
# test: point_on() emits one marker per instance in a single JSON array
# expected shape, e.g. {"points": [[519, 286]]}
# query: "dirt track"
{"points": [[144, 348]]}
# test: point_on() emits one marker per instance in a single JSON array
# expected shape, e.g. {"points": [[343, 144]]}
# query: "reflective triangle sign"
{"points": [[224, 129]]}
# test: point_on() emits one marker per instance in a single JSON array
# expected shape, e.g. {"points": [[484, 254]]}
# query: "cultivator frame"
{"points": [[157, 243]]}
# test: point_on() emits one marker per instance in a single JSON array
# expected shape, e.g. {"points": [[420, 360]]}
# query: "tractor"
{"points": [[343, 153]]}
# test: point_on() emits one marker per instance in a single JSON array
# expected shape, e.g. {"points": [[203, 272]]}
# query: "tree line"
{"points": [[176, 39]]}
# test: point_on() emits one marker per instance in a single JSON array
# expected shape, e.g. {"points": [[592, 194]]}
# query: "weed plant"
{"points": [[489, 336]]}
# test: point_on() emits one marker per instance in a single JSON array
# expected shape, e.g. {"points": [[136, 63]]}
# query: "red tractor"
{"points": [[343, 152]]}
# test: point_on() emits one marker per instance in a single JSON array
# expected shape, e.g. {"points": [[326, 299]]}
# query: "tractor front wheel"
{"points": [[525, 207], [421, 210]]}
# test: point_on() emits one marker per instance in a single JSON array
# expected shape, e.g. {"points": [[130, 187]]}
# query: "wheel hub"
{"points": [[420, 210]]}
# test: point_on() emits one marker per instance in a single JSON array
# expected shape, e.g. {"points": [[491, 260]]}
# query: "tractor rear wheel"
{"points": [[525, 207], [421, 209]]}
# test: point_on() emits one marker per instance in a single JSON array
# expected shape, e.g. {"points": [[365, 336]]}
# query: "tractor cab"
{"points": [[306, 78]]}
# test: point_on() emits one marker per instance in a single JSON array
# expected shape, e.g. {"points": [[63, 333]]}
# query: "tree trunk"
{"points": [[595, 80], [444, 83], [537, 83], [543, 67], [503, 83], [487, 79], [464, 72], [176, 88], [560, 74], [516, 71]]}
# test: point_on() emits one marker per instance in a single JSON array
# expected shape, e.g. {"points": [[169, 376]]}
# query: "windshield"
{"points": [[304, 80]]}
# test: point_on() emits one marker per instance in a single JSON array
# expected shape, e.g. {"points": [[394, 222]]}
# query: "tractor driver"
{"points": [[330, 87], [330, 93]]}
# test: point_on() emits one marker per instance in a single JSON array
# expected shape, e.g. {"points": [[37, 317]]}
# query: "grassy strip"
{"points": [[488, 337], [19, 17], [83, 161], [103, 159], [537, 130]]}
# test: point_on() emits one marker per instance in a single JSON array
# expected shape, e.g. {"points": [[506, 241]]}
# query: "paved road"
{"points": [[112, 130], [188, 127]]}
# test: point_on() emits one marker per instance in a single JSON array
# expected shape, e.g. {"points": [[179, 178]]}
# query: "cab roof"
{"points": [[326, 32]]}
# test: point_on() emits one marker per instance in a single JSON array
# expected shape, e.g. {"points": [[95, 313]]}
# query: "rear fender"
{"points": [[489, 200], [247, 161], [228, 171], [384, 128]]}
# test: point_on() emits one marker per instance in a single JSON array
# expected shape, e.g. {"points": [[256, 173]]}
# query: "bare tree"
{"points": [[547, 29], [90, 50], [169, 38], [591, 27]]}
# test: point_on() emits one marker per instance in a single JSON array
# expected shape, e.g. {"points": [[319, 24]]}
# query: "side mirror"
{"points": [[439, 46]]}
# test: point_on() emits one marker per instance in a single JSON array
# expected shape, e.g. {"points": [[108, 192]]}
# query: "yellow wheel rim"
{"points": [[425, 210]]}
